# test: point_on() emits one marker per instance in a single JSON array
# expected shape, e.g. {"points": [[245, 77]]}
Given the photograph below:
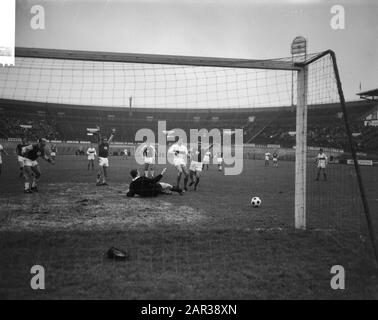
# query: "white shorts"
{"points": [[266, 159], [149, 160], [53, 154], [91, 157], [275, 159], [30, 163], [103, 162], [206, 160], [321, 165], [21, 159], [219, 160], [195, 166], [179, 162]]}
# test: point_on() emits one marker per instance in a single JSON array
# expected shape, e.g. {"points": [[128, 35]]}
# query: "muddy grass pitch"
{"points": [[208, 244]]}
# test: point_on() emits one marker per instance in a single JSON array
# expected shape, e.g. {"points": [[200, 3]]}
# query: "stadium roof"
{"points": [[371, 95]]}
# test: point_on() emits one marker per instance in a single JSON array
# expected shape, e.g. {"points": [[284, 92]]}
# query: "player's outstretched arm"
{"points": [[111, 136]]}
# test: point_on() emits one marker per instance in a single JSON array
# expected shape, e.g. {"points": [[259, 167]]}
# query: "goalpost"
{"points": [[184, 82]]}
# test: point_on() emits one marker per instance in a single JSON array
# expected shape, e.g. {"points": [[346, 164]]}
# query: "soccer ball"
{"points": [[256, 202]]}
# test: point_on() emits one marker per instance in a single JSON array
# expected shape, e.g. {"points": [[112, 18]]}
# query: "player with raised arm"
{"points": [[180, 154], [149, 153], [321, 160], [2, 152], [31, 167], [91, 153], [103, 161]]}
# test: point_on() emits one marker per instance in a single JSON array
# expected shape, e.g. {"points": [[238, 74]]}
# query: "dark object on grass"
{"points": [[117, 254]]}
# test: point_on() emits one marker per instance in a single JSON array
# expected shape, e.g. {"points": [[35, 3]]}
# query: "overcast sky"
{"points": [[222, 28]]}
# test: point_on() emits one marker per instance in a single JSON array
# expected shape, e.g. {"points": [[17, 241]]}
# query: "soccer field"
{"points": [[208, 244]]}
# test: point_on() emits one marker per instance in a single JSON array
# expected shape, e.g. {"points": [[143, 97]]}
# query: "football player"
{"points": [[180, 154], [321, 160], [2, 152], [206, 160], [20, 158], [195, 167], [31, 168], [275, 159], [267, 158], [149, 159], [54, 151], [220, 160], [103, 161], [91, 153]]}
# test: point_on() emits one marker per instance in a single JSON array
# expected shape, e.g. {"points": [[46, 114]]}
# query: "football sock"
{"points": [[197, 182]]}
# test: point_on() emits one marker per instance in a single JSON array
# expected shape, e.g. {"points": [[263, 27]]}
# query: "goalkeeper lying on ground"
{"points": [[149, 187]]}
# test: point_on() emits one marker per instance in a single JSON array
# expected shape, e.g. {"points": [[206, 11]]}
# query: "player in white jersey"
{"points": [[321, 160], [149, 153], [126, 153], [220, 160], [2, 152], [195, 167], [267, 158], [206, 160], [180, 154], [91, 153]]}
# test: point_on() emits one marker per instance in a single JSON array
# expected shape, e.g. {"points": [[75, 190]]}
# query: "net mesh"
{"points": [[221, 241]]}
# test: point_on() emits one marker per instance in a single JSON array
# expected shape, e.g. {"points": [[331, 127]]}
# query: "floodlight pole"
{"points": [[301, 150]]}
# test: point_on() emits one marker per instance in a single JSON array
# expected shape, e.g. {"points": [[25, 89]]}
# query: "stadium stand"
{"points": [[260, 125]]}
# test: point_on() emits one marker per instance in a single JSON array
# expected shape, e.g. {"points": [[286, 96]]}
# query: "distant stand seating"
{"points": [[326, 127], [11, 127]]}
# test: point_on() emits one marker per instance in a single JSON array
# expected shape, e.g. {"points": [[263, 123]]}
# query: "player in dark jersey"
{"points": [[31, 168], [103, 161], [275, 159], [54, 152], [20, 158], [2, 152], [195, 167]]}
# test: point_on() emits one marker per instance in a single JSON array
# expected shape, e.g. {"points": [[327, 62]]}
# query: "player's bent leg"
{"points": [[168, 188], [318, 174], [105, 176], [179, 174], [152, 170], [324, 174], [186, 176], [99, 176], [198, 175], [36, 176], [146, 169], [191, 176], [28, 179]]}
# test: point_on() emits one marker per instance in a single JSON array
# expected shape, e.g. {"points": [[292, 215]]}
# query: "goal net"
{"points": [[290, 108]]}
